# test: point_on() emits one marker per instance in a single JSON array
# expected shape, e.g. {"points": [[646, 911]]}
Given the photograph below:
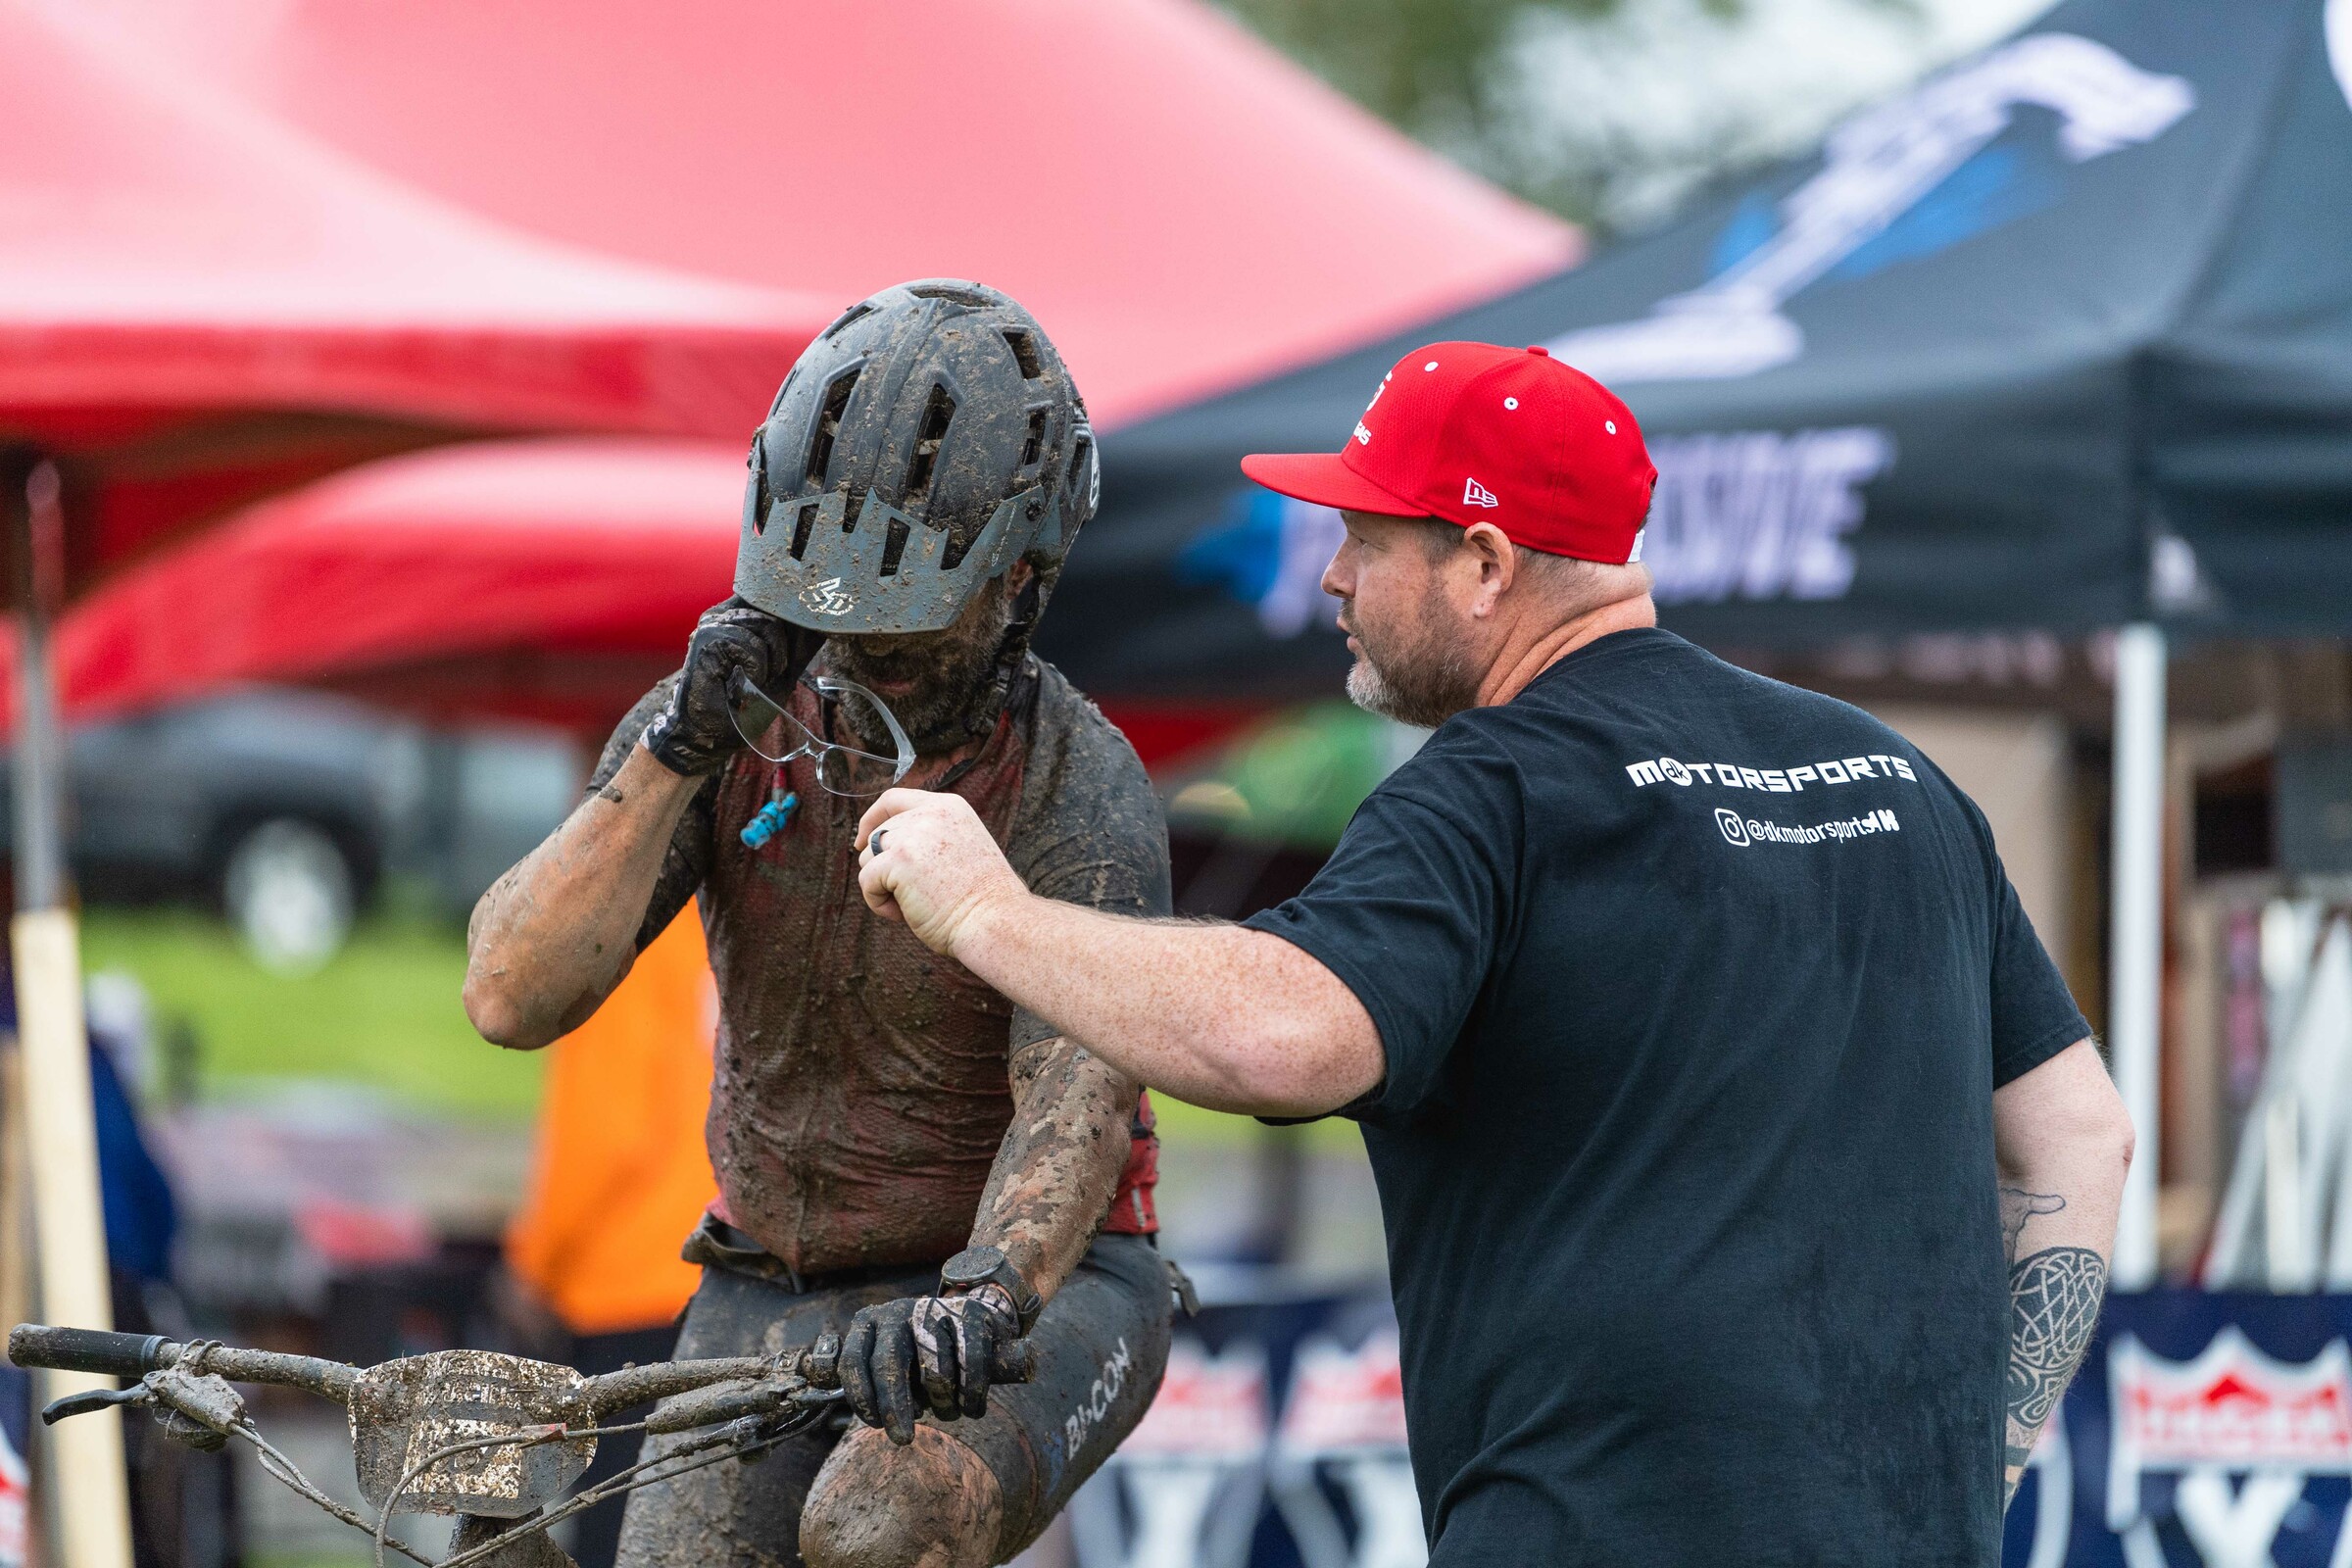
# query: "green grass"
{"points": [[1195, 1126], [384, 1013]]}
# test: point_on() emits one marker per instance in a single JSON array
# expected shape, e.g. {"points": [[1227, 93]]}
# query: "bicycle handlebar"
{"points": [[819, 1363], [134, 1355]]}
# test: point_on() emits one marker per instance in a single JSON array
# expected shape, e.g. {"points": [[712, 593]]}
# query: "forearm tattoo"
{"points": [[2053, 1305], [2017, 1207]]}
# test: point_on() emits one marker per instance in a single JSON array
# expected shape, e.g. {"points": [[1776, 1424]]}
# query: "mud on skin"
{"points": [[861, 1092], [933, 1504], [1059, 1162], [872, 1101], [950, 670]]}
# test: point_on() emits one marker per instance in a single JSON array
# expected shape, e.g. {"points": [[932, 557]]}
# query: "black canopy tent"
{"points": [[2059, 339]]}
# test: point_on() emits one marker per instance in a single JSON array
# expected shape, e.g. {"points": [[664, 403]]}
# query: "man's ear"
{"points": [[1497, 565]]}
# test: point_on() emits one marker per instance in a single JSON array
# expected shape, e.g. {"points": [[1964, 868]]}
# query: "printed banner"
{"points": [[2204, 1430]]}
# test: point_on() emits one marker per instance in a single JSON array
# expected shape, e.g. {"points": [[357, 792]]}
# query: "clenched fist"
{"points": [[930, 863]]}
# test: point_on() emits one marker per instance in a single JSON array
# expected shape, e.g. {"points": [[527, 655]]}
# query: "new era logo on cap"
{"points": [[1491, 422]]}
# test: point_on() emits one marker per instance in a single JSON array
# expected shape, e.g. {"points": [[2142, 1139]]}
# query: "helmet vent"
{"points": [[1078, 451], [828, 422], [894, 546], [951, 294], [938, 412], [800, 526], [850, 510], [1024, 350], [856, 312], [756, 461], [1036, 437]]}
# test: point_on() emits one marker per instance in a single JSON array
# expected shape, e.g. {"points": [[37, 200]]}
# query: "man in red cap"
{"points": [[1733, 1127]]}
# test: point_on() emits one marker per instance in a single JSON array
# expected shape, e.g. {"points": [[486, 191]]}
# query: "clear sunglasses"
{"points": [[840, 769]]}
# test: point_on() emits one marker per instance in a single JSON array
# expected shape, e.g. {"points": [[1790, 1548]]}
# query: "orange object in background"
{"points": [[621, 1175]]}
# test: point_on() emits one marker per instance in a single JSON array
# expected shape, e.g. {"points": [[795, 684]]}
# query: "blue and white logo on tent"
{"points": [[1907, 179]]}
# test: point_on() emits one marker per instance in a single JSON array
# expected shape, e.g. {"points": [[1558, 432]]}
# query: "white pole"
{"points": [[92, 1497], [2136, 955]]}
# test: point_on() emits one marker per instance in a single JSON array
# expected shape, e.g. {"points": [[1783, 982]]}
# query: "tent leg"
{"points": [[2136, 955], [92, 1505]]}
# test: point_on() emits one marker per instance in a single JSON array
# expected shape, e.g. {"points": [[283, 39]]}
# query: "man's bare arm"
{"points": [[1230, 1018], [555, 935], [1059, 1162], [2063, 1142], [1221, 1015]]}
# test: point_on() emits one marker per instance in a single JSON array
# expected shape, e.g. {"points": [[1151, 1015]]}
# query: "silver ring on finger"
{"points": [[873, 844]]}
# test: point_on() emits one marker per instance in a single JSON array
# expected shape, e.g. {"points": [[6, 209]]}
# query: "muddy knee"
{"points": [[932, 1505]]}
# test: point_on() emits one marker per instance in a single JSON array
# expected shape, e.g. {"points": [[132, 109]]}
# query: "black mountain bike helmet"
{"points": [[924, 442]]}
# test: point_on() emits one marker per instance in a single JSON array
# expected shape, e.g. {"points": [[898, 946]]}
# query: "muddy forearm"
{"points": [[1059, 1162], [552, 937]]}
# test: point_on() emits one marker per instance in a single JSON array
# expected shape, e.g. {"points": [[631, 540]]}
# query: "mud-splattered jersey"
{"points": [[861, 1085]]}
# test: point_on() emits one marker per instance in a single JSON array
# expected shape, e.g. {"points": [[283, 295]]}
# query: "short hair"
{"points": [[1438, 539], [1569, 582]]}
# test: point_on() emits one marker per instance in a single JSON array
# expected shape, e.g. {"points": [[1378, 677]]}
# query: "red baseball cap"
{"points": [[1473, 433]]}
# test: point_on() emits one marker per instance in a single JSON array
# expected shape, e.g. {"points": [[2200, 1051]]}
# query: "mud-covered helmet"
{"points": [[924, 442]]}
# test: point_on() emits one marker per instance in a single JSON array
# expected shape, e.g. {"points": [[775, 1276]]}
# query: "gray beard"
{"points": [[1421, 695]]}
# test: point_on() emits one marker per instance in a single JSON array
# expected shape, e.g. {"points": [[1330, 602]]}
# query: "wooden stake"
{"points": [[93, 1502]]}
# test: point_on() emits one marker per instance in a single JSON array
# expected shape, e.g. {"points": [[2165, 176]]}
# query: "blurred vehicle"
{"points": [[285, 809]]}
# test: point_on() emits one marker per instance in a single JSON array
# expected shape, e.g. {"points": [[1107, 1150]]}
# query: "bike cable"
{"points": [[282, 1469], [732, 1444]]}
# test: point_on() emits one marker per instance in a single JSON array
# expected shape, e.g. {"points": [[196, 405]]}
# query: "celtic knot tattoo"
{"points": [[2053, 1305]]}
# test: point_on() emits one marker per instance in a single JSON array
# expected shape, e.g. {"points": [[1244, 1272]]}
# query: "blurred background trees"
{"points": [[1611, 111]]}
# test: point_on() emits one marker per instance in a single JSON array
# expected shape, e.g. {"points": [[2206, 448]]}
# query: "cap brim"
{"points": [[1324, 479]]}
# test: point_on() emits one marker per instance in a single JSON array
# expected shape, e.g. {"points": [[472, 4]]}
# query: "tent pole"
{"points": [[90, 1497], [2136, 955]]}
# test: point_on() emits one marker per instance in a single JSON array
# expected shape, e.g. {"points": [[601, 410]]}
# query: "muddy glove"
{"points": [[696, 733], [925, 1353]]}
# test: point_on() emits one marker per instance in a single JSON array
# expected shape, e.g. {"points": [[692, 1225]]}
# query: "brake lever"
{"points": [[91, 1400]]}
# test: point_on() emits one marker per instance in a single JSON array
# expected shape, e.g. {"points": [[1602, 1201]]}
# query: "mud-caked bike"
{"points": [[496, 1441]]}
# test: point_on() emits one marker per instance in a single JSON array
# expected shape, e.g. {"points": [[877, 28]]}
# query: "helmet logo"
{"points": [[826, 597]]}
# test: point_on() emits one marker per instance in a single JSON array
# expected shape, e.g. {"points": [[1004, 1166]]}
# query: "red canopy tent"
{"points": [[1185, 211], [552, 581], [198, 307], [1182, 208], [400, 577]]}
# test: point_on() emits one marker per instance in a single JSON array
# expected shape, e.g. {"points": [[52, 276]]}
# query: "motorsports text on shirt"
{"points": [[1733, 776]]}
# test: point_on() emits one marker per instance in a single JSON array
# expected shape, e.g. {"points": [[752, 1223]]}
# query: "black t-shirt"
{"points": [[1695, 989]]}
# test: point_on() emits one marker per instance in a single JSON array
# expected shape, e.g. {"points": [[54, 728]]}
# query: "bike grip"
{"points": [[121, 1356], [1011, 1363]]}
